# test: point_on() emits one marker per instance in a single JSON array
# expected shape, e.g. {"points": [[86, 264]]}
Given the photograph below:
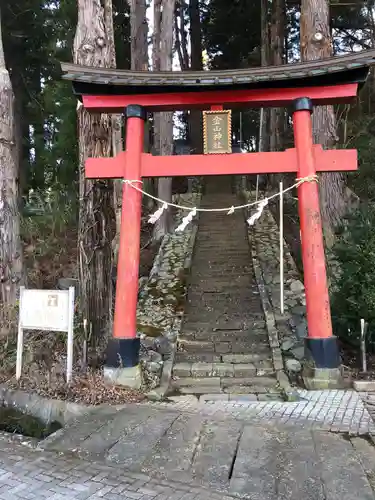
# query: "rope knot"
{"points": [[309, 178], [131, 182]]}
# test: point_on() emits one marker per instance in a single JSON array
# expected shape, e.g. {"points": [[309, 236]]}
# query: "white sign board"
{"points": [[46, 310]]}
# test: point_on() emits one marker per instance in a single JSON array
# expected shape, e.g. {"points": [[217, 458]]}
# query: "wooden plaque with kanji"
{"points": [[217, 132]]}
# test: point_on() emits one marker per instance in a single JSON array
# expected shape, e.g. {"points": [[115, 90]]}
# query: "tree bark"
{"points": [[195, 122], [180, 34], [277, 59], [265, 49], [93, 47], [164, 121], [316, 44], [10, 240], [139, 30], [117, 143]]}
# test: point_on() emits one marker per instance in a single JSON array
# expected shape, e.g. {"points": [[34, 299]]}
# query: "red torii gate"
{"points": [[301, 85]]}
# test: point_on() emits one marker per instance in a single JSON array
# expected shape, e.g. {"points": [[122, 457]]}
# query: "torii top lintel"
{"points": [[327, 81]]}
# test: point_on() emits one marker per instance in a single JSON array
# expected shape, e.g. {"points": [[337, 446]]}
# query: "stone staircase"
{"points": [[223, 350]]}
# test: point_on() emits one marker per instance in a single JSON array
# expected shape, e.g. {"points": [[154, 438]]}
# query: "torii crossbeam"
{"points": [[300, 85]]}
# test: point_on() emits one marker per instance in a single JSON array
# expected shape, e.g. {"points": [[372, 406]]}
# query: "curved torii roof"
{"points": [[339, 70]]}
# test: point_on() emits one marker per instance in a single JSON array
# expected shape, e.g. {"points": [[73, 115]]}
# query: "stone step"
{"points": [[215, 285], [211, 333], [197, 293], [220, 325], [224, 274], [188, 382], [215, 226], [229, 258], [250, 384], [199, 370], [237, 279], [219, 335], [225, 267], [256, 358], [241, 302], [240, 347], [211, 298], [244, 293], [267, 384], [205, 319], [198, 357], [212, 249], [200, 389], [219, 285], [250, 340]]}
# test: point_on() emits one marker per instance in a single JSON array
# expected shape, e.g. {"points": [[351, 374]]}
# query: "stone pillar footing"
{"points": [[323, 368], [122, 363], [127, 377], [319, 379], [123, 353], [324, 352]]}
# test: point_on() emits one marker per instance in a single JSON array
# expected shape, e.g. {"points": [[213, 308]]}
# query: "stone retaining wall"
{"points": [[46, 409], [162, 297], [286, 331], [162, 300]]}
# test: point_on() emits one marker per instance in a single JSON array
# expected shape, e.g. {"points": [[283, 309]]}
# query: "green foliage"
{"points": [[353, 296], [363, 139], [232, 37], [49, 213], [37, 36]]}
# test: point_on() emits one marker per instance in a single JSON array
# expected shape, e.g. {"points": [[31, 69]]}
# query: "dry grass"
{"points": [[88, 389], [44, 372]]}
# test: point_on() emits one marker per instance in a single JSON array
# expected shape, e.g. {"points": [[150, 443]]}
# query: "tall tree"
{"points": [[277, 57], [10, 241], [139, 62], [316, 43], [195, 122], [94, 46], [264, 58], [163, 134]]}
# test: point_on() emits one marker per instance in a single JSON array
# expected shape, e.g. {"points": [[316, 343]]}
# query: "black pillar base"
{"points": [[324, 352], [123, 353]]}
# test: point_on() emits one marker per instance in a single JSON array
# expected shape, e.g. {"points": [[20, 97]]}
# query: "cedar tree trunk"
{"points": [[10, 240], [93, 47], [164, 121], [316, 44]]}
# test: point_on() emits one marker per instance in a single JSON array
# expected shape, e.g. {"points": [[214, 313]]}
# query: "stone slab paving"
{"points": [[193, 458], [334, 410]]}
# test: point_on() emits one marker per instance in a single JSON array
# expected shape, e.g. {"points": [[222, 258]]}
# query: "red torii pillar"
{"points": [[305, 160]]}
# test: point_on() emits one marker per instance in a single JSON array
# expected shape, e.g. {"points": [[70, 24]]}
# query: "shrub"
{"points": [[353, 295]]}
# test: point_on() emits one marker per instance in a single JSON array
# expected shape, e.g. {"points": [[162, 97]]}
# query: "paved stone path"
{"points": [[223, 346], [28, 474], [144, 453], [335, 411]]}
